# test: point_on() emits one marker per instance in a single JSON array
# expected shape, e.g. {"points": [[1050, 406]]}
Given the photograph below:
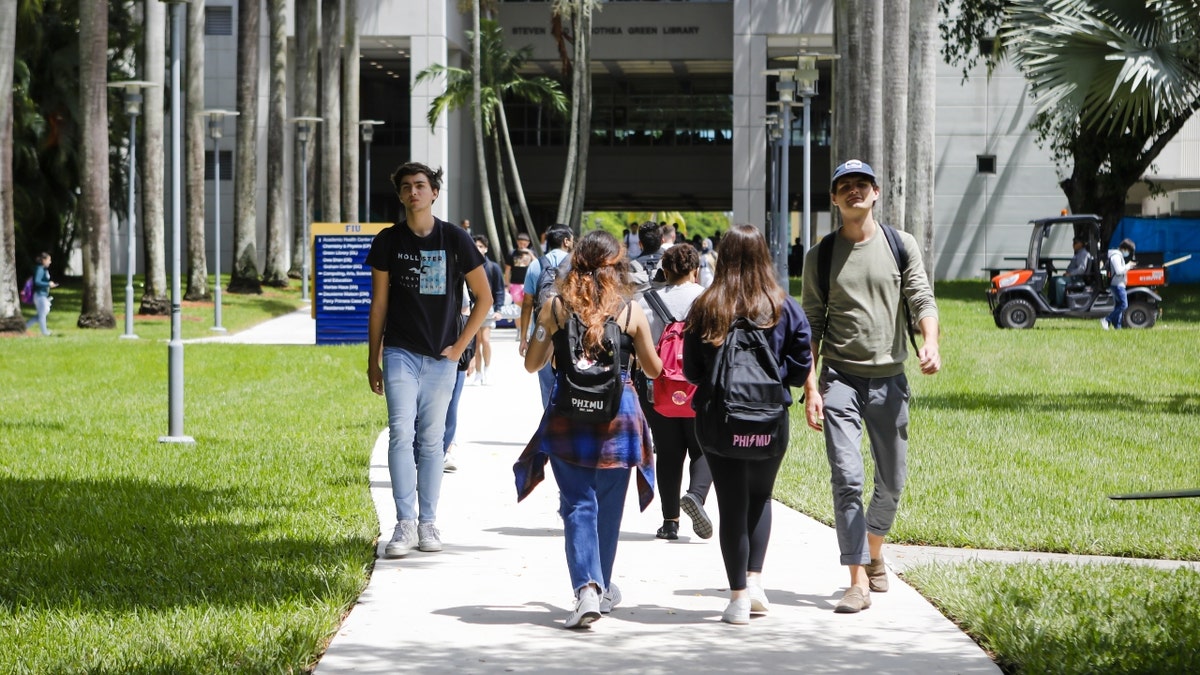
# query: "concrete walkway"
{"points": [[494, 600]]}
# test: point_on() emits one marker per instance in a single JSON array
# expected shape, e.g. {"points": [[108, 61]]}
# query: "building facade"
{"points": [[680, 97]]}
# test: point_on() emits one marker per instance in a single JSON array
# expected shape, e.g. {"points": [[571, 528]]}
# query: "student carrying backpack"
{"points": [[671, 394], [591, 383]]}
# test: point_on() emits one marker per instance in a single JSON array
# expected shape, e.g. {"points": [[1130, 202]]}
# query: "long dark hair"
{"points": [[596, 286], [744, 285]]}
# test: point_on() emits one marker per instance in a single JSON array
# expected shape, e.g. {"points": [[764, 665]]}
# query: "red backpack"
{"points": [[672, 392]]}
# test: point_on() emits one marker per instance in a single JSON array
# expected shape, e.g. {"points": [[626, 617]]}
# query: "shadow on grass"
{"points": [[1177, 404], [128, 544]]}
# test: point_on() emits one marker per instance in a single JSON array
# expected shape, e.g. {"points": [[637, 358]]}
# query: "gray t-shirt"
{"points": [[678, 300]]}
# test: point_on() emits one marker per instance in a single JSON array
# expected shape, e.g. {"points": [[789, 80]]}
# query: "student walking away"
{"points": [[667, 400], [632, 241], [42, 283], [708, 262], [1120, 261], [483, 342], [593, 432], [417, 270], [746, 342], [540, 280], [644, 270], [860, 299], [515, 266]]}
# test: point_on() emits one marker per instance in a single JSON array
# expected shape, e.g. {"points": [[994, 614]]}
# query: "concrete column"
{"points": [[429, 46], [749, 132]]}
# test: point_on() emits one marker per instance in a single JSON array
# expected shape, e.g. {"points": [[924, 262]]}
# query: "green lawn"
{"points": [[1016, 445], [241, 552]]}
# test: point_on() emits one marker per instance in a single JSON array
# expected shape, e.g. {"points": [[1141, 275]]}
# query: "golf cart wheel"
{"points": [[1017, 313], [1140, 314]]}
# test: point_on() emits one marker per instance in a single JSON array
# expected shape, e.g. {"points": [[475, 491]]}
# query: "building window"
{"points": [[218, 20], [985, 164], [226, 165]]}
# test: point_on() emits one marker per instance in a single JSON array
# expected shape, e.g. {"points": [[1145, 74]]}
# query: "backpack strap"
{"points": [[899, 253], [660, 308]]}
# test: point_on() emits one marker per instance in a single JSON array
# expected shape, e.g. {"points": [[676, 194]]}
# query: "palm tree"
{"points": [[922, 59], [579, 13], [11, 320], [244, 276], [894, 161], [500, 77], [1116, 81], [350, 116], [193, 156], [477, 114], [276, 268], [97, 311], [307, 43], [331, 128], [153, 221]]}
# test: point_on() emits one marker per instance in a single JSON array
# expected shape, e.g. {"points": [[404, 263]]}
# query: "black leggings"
{"points": [[674, 441], [744, 499]]}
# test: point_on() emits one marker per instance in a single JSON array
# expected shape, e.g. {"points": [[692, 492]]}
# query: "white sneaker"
{"points": [[449, 465], [403, 539], [610, 599], [483, 378], [1104, 324], [737, 611], [587, 608], [430, 540], [758, 597]]}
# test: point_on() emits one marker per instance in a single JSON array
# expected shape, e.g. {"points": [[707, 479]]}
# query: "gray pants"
{"points": [[882, 405]]}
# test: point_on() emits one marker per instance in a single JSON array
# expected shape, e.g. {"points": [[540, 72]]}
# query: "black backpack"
{"points": [[547, 283], [591, 385], [745, 415], [825, 262]]}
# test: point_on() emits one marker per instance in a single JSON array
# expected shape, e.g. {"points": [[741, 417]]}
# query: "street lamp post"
{"points": [[368, 134], [302, 131], [807, 77], [786, 86], [215, 122], [175, 346], [133, 107]]}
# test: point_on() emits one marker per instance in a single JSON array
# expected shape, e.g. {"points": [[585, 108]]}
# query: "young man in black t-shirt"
{"points": [[417, 272]]}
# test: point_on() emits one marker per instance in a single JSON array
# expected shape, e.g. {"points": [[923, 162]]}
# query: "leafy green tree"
{"points": [[1115, 82]]}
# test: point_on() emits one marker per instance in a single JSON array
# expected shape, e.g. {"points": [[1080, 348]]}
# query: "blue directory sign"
{"points": [[342, 296]]}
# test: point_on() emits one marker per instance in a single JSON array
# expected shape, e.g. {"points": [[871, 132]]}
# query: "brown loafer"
{"points": [[877, 575], [855, 600]]}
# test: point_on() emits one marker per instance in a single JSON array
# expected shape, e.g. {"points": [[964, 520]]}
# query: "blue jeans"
{"points": [[591, 503], [41, 303], [1116, 319], [452, 411], [880, 403], [418, 390]]}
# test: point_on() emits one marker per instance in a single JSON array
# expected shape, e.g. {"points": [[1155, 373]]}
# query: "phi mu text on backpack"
{"points": [[745, 415], [590, 383], [672, 393]]}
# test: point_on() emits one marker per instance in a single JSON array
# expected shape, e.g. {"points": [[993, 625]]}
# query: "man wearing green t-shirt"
{"points": [[860, 332]]}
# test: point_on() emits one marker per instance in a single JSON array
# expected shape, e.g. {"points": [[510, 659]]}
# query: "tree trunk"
{"points": [[152, 156], [583, 72], [275, 268], [307, 43], [11, 320], [350, 116], [97, 310], [922, 59], [193, 159], [527, 226], [244, 276], [894, 169], [331, 129], [509, 231], [489, 218], [566, 199]]}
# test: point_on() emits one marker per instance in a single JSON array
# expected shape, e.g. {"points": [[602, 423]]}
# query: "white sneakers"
{"points": [[449, 464], [737, 611], [587, 608], [610, 599], [404, 539], [758, 597], [429, 539]]}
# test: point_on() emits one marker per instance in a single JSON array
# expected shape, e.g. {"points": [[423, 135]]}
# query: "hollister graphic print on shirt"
{"points": [[433, 273]]}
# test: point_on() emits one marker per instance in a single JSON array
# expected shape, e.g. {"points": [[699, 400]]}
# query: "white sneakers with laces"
{"points": [[587, 608], [404, 539]]}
